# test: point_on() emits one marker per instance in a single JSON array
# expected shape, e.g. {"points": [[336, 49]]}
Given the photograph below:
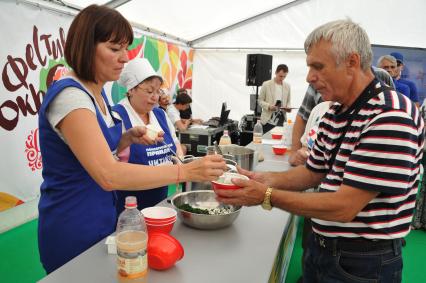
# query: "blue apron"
{"points": [[147, 155], [74, 211]]}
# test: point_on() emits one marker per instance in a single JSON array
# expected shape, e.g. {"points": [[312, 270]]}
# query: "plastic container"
{"points": [[163, 251], [225, 139], [279, 149], [257, 139], [224, 182], [159, 219], [288, 131], [131, 239], [277, 136]]}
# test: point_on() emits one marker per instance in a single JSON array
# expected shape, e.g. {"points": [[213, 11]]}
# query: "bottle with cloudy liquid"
{"points": [[131, 239], [225, 139], [257, 139]]}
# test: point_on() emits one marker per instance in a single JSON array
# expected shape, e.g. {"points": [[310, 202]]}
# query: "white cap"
{"points": [[135, 72]]}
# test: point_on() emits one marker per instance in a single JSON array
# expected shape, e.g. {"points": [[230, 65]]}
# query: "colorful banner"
{"points": [[31, 58]]}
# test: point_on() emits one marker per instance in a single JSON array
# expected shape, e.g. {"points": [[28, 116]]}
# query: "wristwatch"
{"points": [[266, 204]]}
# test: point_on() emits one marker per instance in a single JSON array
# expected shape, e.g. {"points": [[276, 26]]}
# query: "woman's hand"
{"points": [[208, 168], [138, 135]]}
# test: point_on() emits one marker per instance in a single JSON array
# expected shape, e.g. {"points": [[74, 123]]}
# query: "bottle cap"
{"points": [[131, 202]]}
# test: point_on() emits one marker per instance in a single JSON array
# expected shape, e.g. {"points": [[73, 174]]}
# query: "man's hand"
{"points": [[273, 108], [250, 193], [257, 176], [298, 157]]}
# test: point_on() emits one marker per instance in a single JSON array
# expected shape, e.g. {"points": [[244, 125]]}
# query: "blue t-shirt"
{"points": [[402, 88], [413, 89]]}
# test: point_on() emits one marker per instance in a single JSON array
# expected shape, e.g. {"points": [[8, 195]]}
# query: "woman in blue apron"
{"points": [[138, 108], [79, 138]]}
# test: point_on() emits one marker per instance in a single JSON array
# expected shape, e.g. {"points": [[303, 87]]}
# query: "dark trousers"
{"points": [[330, 260], [267, 127]]}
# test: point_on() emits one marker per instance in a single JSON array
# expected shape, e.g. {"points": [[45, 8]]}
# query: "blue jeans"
{"points": [[332, 263]]}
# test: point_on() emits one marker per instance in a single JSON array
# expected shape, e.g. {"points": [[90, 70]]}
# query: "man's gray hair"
{"points": [[390, 58], [346, 38]]}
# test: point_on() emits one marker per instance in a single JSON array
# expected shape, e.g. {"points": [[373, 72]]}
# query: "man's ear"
{"points": [[353, 61]]}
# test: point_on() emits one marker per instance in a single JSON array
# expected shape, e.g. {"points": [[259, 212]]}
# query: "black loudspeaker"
{"points": [[258, 69]]}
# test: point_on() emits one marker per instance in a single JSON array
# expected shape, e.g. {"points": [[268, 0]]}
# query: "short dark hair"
{"points": [[94, 24], [282, 67], [183, 98], [181, 90]]}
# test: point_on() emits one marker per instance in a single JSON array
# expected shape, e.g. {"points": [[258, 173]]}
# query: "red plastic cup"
{"points": [[160, 228], [279, 149], [159, 213], [221, 183], [163, 251], [276, 136], [160, 222]]}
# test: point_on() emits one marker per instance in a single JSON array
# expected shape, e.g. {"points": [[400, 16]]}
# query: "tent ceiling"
{"points": [[271, 24], [178, 19]]}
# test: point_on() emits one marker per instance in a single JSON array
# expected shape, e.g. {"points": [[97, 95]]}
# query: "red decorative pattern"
{"points": [[33, 151]]}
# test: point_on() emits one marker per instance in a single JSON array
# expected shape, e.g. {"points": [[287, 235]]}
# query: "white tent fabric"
{"points": [[388, 22], [223, 32], [394, 22]]}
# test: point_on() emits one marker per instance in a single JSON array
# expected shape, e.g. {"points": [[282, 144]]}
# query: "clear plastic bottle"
{"points": [[288, 131], [225, 139], [257, 139], [131, 239]]}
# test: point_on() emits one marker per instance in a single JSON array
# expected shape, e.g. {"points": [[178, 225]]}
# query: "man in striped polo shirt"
{"points": [[366, 161]]}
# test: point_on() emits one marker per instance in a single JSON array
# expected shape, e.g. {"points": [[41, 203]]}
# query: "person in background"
{"points": [[138, 109], [80, 138], [388, 63], [399, 67], [182, 102], [186, 114], [310, 100], [307, 140], [164, 99], [275, 99], [357, 141]]}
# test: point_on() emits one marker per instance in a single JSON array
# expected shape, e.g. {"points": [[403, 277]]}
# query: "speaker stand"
{"points": [[256, 113]]}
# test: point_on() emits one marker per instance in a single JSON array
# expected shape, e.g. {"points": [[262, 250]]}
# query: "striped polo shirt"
{"points": [[381, 151]]}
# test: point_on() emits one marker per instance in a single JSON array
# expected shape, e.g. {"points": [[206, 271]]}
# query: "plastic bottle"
{"points": [[225, 139], [131, 240], [257, 139], [288, 131]]}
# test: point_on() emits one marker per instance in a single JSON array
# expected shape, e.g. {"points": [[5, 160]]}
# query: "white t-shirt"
{"points": [[70, 99], [136, 120], [279, 93], [173, 113], [311, 129]]}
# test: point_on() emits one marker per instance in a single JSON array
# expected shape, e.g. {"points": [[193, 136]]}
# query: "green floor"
{"points": [[19, 261], [413, 253]]}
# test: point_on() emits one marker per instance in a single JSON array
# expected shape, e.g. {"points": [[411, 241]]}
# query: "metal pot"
{"points": [[242, 155], [196, 186]]}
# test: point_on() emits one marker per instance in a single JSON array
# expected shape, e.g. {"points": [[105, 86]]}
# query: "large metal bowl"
{"points": [[204, 200]]}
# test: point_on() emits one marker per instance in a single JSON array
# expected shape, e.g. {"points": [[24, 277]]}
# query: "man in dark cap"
{"points": [[400, 66]]}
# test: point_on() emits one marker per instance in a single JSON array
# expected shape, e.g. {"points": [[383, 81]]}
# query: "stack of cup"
{"points": [[159, 219]]}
